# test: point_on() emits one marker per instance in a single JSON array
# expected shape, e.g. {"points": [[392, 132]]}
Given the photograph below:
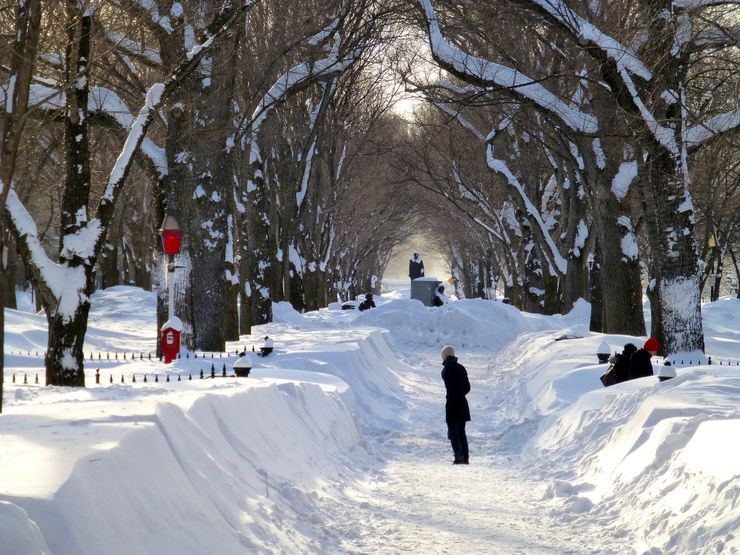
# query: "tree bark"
{"points": [[12, 121]]}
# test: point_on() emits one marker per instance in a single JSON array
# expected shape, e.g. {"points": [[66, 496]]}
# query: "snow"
{"points": [[498, 75], [623, 56], [336, 442], [499, 166], [624, 178]]}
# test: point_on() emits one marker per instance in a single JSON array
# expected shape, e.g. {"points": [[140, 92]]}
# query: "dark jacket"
{"points": [[623, 365], [456, 382], [366, 304], [640, 365], [416, 268]]}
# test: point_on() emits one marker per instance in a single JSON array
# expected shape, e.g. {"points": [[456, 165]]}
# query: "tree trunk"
{"points": [[64, 359], [108, 266], [64, 354], [9, 270], [552, 304], [620, 271], [595, 290], [675, 288], [12, 121]]}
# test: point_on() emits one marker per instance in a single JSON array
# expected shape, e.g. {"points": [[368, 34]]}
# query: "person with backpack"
{"points": [[457, 411], [368, 303], [622, 363], [640, 364]]}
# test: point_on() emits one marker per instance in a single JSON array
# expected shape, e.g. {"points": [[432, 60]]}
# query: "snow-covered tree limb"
{"points": [[589, 36], [560, 264], [486, 73], [719, 124]]}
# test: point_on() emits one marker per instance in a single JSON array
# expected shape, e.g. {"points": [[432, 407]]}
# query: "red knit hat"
{"points": [[651, 344]]}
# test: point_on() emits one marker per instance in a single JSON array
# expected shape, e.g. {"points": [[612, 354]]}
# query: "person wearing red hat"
{"points": [[640, 364]]}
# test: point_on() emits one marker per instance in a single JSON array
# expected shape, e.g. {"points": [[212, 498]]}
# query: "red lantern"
{"points": [[171, 235]]}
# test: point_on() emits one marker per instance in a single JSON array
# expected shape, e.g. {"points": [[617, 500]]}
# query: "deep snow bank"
{"points": [[469, 323], [655, 463], [227, 466]]}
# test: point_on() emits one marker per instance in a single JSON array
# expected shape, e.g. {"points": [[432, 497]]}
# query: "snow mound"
{"points": [[474, 323], [20, 535]]}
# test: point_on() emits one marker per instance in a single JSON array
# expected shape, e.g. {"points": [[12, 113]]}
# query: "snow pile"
{"points": [[655, 461], [300, 457], [468, 324]]}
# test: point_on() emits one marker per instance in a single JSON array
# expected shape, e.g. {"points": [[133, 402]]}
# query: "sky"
{"points": [[336, 442]]}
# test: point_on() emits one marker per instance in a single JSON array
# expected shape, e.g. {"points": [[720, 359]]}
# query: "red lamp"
{"points": [[171, 235]]}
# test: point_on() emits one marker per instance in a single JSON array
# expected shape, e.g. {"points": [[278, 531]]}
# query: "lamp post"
{"points": [[171, 234], [171, 241]]}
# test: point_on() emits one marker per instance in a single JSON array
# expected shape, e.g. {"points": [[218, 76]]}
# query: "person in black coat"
{"points": [[640, 364], [457, 412], [622, 362], [416, 266], [368, 303]]}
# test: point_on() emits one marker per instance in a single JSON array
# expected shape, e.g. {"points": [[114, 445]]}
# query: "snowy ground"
{"points": [[336, 443]]}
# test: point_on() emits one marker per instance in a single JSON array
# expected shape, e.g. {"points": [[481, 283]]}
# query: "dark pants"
{"points": [[456, 435]]}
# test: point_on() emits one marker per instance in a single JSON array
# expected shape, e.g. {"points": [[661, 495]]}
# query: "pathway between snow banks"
{"points": [[337, 445]]}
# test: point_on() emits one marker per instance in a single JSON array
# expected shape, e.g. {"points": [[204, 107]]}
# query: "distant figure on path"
{"points": [[267, 346], [439, 296], [622, 362], [368, 303], [416, 266], [457, 412], [640, 365]]}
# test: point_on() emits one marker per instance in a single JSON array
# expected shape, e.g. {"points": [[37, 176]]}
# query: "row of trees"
{"points": [[544, 143], [592, 120], [257, 124]]}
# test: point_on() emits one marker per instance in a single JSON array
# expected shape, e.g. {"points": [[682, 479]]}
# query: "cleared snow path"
{"points": [[416, 501]]}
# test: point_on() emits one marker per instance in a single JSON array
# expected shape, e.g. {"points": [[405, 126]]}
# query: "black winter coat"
{"points": [[416, 268], [640, 364], [367, 304], [622, 367], [456, 382]]}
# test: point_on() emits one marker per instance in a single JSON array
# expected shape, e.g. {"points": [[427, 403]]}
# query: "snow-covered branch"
{"points": [[101, 102], [490, 74], [719, 124], [295, 79], [589, 35], [135, 49], [697, 4], [500, 166], [65, 282]]}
